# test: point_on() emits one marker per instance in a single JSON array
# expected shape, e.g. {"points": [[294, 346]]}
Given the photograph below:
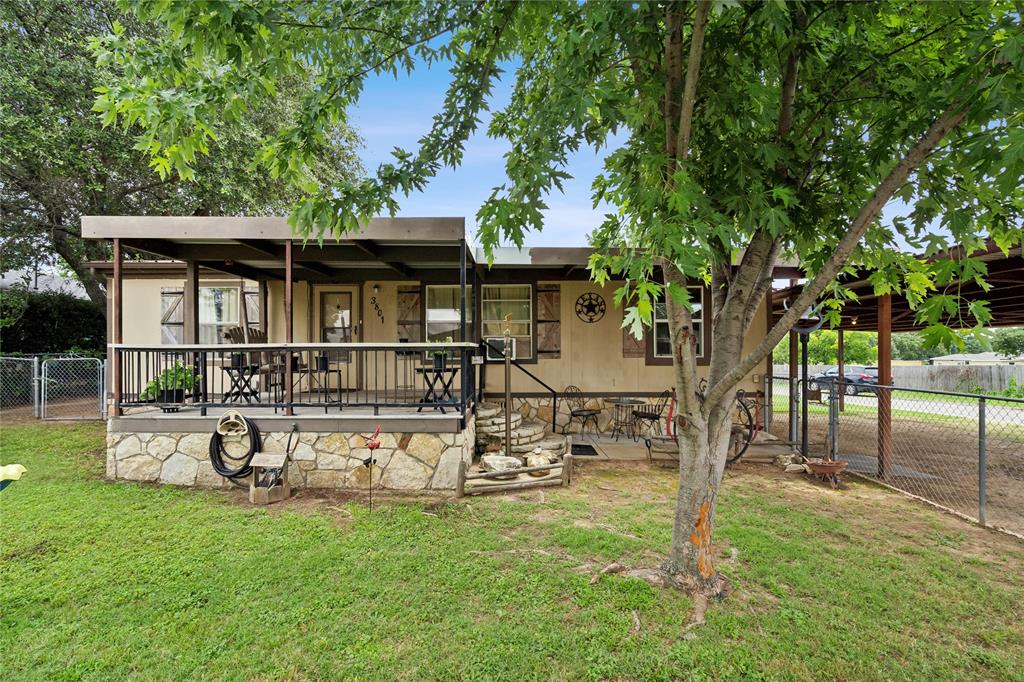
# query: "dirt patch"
{"points": [[937, 459]]}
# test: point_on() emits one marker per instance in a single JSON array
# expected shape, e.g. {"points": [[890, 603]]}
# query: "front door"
{"points": [[337, 321]]}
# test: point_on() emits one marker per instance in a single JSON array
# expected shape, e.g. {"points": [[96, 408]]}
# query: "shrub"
{"points": [[50, 322]]}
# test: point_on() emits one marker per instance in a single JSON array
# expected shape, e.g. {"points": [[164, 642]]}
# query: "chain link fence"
{"points": [[60, 387], [19, 387], [959, 451]]}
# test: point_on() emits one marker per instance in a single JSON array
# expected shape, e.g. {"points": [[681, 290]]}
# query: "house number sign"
{"points": [[590, 307], [376, 308]]}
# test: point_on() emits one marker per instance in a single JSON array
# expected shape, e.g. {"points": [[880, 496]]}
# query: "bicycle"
{"points": [[741, 432]]}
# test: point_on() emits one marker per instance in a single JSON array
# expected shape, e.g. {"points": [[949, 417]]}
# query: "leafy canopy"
{"points": [[765, 164], [60, 162]]}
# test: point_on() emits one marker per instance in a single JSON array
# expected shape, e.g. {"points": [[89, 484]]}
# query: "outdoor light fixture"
{"points": [[376, 288]]}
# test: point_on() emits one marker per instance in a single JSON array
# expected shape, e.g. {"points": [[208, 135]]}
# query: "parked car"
{"points": [[856, 380]]}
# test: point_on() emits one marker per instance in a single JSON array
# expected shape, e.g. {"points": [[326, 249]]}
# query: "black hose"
{"points": [[219, 457]]}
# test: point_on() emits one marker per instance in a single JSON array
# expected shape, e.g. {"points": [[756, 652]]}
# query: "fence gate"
{"points": [[73, 388]]}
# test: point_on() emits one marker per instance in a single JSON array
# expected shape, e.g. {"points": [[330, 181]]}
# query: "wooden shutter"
{"points": [[549, 325], [409, 326]]}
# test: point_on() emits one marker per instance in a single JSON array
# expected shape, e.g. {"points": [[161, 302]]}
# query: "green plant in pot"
{"points": [[441, 355], [170, 385]]}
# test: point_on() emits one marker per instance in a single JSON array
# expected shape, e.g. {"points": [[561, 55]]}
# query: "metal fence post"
{"points": [[981, 461], [794, 412], [36, 391], [833, 422]]}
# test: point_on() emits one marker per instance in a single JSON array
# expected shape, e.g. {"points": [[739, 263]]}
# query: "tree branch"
{"points": [[867, 215], [700, 24]]}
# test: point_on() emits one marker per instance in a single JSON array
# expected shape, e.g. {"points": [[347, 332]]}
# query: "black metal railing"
{"points": [[500, 350], [415, 377]]}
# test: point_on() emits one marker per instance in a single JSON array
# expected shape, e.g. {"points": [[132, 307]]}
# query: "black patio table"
{"points": [[436, 379], [241, 383]]}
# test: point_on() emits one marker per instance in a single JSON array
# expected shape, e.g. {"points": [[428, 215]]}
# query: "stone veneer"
{"points": [[540, 408], [405, 461]]}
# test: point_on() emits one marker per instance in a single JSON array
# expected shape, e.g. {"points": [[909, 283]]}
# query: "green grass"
{"points": [[112, 581]]}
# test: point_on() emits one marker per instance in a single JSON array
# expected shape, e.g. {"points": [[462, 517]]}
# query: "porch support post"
{"points": [[884, 380], [288, 281], [841, 379], [117, 328], [464, 362], [190, 305], [190, 302]]}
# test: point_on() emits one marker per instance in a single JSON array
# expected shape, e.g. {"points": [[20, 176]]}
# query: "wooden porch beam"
{"points": [[117, 328], [370, 248], [239, 270]]}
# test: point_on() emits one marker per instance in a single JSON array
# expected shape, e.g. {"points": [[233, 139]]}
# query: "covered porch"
{"points": [[307, 335]]}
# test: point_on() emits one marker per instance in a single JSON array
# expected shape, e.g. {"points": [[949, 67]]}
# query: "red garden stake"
{"points": [[372, 443]]}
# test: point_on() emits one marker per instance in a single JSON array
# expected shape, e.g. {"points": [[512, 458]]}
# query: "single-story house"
{"points": [[984, 358], [340, 336]]}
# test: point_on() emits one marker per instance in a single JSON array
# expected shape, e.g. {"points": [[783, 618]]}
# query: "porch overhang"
{"points": [[254, 248]]}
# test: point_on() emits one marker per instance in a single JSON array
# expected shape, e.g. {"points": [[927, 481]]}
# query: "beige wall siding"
{"points": [[591, 354]]}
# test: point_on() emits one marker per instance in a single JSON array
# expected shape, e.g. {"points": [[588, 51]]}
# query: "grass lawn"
{"points": [[111, 581]]}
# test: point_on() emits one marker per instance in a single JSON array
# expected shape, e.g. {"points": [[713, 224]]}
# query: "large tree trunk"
{"points": [[96, 292]]}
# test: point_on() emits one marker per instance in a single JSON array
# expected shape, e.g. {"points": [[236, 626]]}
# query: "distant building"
{"points": [[41, 279], [987, 358]]}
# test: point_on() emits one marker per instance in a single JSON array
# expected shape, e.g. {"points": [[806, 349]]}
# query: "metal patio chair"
{"points": [[578, 409], [648, 417]]}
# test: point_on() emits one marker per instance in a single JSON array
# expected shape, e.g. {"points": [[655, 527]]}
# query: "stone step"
{"points": [[555, 443], [495, 424], [486, 411]]}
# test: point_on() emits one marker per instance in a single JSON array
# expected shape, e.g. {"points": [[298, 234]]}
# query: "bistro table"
{"points": [[241, 376], [622, 416], [439, 387]]}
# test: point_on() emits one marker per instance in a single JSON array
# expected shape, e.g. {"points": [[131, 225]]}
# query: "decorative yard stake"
{"points": [[372, 443], [508, 385]]}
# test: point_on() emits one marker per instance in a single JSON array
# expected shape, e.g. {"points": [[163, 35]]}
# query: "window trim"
{"points": [[532, 299], [704, 359]]}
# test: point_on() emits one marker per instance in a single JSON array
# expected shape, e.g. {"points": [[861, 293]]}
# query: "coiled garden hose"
{"points": [[239, 466]]}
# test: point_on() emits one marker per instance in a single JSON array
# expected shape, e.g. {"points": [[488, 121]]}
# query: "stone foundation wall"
{"points": [[405, 461], [540, 408]]}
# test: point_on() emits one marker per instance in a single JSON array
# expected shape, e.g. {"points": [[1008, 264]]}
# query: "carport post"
{"points": [[884, 384], [981, 461], [840, 386]]}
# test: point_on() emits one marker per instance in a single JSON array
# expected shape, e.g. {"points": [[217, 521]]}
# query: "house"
{"points": [[344, 335], [986, 358]]}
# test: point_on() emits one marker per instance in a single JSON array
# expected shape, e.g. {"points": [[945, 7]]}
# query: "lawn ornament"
{"points": [[372, 443]]}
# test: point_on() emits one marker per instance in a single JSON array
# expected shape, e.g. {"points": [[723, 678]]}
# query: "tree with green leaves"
{"points": [[859, 348], [1009, 342], [60, 162], [744, 131]]}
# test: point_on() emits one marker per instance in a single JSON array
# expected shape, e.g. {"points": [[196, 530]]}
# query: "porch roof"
{"points": [[254, 248]]}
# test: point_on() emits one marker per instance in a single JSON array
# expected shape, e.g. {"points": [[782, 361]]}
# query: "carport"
{"points": [[890, 313]]}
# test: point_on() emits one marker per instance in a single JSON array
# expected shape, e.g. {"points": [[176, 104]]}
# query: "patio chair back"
{"points": [[573, 397], [659, 405], [237, 335]]}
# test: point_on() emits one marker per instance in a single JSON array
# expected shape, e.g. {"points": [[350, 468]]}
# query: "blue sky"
{"points": [[397, 112]]}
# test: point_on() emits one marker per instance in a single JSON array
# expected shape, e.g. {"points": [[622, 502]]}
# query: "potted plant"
{"points": [[170, 386], [441, 356]]}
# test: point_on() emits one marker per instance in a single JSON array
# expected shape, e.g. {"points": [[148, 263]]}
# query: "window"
{"points": [[662, 342], [443, 308], [218, 311], [509, 299]]}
